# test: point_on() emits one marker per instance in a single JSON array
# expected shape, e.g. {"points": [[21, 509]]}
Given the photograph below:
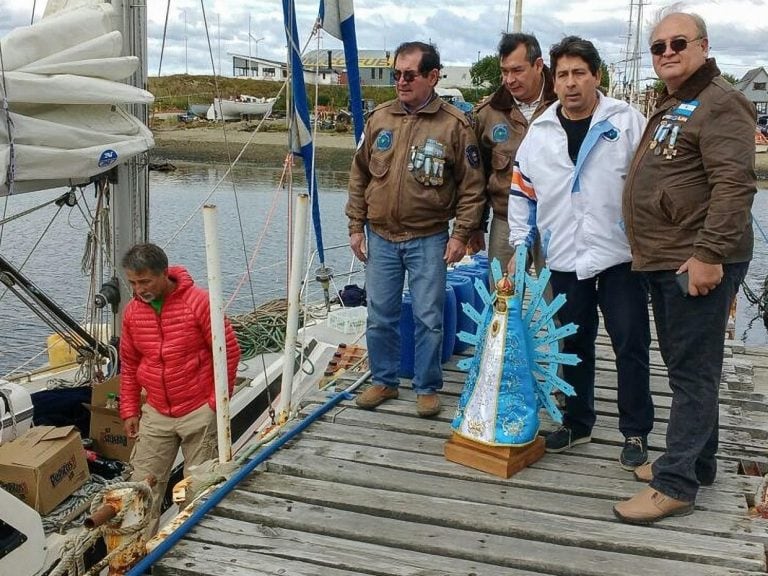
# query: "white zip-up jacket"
{"points": [[575, 209]]}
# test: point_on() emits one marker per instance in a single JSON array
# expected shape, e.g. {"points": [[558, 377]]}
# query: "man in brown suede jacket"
{"points": [[502, 121], [417, 168], [687, 203]]}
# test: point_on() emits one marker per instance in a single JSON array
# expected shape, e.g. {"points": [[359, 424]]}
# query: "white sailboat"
{"points": [[242, 107], [121, 136]]}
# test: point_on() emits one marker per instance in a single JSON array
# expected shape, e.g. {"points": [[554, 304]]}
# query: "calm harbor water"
{"points": [[55, 266], [263, 206]]}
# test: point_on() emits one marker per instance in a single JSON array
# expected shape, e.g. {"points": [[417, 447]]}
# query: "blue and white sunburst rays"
{"points": [[513, 372]]}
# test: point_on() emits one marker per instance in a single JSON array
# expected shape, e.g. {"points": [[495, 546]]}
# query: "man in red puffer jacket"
{"points": [[166, 350]]}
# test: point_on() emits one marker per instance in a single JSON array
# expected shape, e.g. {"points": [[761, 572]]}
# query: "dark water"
{"points": [[175, 197], [264, 209]]}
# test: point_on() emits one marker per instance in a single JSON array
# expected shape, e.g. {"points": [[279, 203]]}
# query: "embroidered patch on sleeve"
{"points": [[473, 155]]}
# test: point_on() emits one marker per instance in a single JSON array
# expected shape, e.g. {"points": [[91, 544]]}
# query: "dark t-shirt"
{"points": [[575, 130]]}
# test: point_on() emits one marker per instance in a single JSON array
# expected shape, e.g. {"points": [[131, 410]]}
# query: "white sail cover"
{"points": [[61, 119]]}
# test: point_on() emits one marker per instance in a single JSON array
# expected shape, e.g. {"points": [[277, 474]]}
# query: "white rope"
{"points": [[72, 562]]}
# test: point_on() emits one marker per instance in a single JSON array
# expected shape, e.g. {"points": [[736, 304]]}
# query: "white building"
{"points": [[329, 67], [258, 68]]}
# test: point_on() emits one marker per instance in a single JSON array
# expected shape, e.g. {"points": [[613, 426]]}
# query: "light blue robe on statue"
{"points": [[514, 368]]}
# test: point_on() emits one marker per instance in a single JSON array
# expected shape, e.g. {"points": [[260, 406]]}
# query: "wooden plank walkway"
{"points": [[369, 492]]}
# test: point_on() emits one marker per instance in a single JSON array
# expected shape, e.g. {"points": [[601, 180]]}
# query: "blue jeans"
{"points": [[623, 298], [388, 262], [691, 333]]}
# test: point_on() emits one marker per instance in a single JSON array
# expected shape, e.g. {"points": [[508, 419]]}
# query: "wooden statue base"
{"points": [[497, 460]]}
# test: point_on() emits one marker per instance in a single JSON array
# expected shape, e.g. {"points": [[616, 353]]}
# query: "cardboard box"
{"points": [[43, 466], [107, 432]]}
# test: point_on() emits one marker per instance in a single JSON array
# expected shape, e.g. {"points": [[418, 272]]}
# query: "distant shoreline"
{"points": [[269, 149], [333, 151]]}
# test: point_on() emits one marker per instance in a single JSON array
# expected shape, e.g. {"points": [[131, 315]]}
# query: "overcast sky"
{"points": [[738, 29]]}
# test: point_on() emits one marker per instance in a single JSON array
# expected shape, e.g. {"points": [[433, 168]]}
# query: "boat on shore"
{"points": [[244, 106]]}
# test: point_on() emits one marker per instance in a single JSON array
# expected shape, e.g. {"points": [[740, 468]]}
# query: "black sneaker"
{"points": [[634, 453], [562, 439]]}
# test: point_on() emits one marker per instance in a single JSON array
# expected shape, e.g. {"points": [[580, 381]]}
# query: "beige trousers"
{"points": [[160, 438]]}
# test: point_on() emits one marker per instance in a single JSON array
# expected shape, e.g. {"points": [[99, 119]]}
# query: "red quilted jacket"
{"points": [[170, 354]]}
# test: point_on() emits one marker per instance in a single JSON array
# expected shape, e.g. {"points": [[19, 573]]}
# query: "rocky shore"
{"points": [[268, 149]]}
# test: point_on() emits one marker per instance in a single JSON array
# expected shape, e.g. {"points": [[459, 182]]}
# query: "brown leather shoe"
{"points": [[649, 506], [644, 473], [428, 405], [375, 395]]}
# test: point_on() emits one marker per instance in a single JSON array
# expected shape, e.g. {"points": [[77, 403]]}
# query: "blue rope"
{"points": [[217, 496]]}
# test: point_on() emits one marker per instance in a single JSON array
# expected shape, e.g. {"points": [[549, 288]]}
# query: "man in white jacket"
{"points": [[567, 187]]}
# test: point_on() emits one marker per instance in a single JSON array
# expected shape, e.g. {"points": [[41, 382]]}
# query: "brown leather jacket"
{"points": [[500, 129], [694, 200], [386, 194]]}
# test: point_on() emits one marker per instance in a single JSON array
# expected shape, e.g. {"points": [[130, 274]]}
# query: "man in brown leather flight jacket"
{"points": [[502, 121], [416, 168], [686, 205]]}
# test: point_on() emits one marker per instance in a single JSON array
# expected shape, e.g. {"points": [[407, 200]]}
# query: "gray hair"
{"points": [[143, 257], [674, 9]]}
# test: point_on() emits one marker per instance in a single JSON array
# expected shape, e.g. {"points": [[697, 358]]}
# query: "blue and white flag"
{"points": [[337, 17], [301, 134]]}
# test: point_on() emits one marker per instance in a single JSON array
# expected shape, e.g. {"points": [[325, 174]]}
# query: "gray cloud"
{"points": [[459, 34]]}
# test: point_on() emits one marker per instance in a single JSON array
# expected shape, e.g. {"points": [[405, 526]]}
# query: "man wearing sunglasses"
{"points": [[416, 169], [502, 121], [687, 203]]}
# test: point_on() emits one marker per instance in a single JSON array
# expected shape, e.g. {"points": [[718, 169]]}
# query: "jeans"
{"points": [[691, 333], [388, 262], [623, 298]]}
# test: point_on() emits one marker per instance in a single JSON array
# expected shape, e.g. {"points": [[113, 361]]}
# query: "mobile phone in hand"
{"points": [[682, 282]]}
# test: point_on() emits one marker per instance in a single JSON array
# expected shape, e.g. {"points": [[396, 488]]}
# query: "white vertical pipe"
{"points": [[220, 375], [298, 255], [518, 26]]}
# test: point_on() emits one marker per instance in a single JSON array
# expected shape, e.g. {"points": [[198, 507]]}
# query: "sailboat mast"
{"points": [[130, 194]]}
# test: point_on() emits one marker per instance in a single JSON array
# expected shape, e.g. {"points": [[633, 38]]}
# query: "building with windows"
{"points": [[328, 67], [258, 68], [754, 85]]}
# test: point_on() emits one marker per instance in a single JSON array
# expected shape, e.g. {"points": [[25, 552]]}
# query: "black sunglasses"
{"points": [[408, 75], [676, 45]]}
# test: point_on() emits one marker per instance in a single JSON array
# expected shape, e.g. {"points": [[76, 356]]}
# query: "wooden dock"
{"points": [[369, 492]]}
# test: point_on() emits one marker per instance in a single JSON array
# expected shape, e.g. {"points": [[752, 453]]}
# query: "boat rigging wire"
{"points": [[165, 35], [226, 147], [761, 300]]}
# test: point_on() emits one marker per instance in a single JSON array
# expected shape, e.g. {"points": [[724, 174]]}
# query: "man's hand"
{"points": [[476, 241], [511, 265], [702, 277], [454, 251], [131, 426], [357, 243]]}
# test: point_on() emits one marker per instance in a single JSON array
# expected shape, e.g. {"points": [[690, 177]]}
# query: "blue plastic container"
{"points": [[407, 332], [473, 271], [481, 258], [464, 292]]}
